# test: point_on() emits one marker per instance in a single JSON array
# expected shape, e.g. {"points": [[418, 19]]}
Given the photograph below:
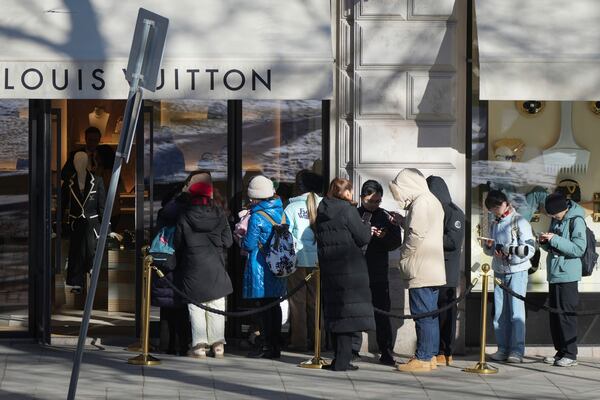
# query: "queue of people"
{"points": [[351, 243]]}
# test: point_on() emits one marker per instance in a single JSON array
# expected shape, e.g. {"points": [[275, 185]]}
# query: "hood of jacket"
{"points": [[302, 198], [438, 187], [575, 210], [329, 208], [407, 186], [271, 206], [202, 219]]}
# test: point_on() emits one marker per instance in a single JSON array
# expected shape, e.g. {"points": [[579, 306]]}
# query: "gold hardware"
{"points": [[483, 367], [144, 358], [316, 362], [595, 107], [530, 108]]}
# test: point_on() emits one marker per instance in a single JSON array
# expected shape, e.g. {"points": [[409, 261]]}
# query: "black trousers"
{"points": [[175, 330], [270, 324], [380, 297], [342, 347], [447, 320], [563, 328]]}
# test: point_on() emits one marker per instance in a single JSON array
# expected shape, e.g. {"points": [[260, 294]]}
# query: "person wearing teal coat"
{"points": [[259, 282], [565, 243]]}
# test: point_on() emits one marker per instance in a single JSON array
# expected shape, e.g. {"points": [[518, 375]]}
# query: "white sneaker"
{"points": [[565, 362], [551, 360], [498, 356], [514, 358]]}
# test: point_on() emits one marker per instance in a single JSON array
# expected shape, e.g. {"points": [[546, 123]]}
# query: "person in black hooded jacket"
{"points": [[454, 233], [347, 306], [201, 236]]}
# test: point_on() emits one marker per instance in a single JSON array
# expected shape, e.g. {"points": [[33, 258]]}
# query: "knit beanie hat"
{"points": [[555, 203], [200, 193], [261, 187]]}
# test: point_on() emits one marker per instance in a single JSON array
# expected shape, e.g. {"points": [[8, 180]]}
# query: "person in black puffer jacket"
{"points": [[347, 304], [174, 319], [454, 233], [201, 236]]}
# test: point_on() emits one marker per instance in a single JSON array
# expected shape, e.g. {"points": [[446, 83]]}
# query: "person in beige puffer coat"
{"points": [[421, 261]]}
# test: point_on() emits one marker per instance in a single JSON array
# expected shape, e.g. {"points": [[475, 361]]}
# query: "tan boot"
{"points": [[218, 350], [415, 365], [198, 351], [434, 362]]}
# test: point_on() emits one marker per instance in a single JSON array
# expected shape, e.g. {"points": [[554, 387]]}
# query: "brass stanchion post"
{"points": [[483, 367], [138, 347], [316, 362], [144, 358]]}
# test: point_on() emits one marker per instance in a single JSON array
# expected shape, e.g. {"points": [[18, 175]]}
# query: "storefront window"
{"points": [[279, 139], [529, 149], [188, 135], [14, 215]]}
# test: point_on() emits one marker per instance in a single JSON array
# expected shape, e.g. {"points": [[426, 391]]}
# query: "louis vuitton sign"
{"points": [[192, 80]]}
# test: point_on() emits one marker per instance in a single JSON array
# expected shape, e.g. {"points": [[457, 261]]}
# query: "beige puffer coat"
{"points": [[422, 252]]}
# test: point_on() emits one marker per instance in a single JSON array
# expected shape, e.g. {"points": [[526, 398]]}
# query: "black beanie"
{"points": [[555, 203]]}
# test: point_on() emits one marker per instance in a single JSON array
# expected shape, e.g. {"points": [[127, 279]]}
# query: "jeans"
{"points": [[207, 328], [509, 314], [428, 330]]}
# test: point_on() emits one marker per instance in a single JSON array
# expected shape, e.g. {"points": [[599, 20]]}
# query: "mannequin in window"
{"points": [[83, 204], [92, 140], [98, 118]]}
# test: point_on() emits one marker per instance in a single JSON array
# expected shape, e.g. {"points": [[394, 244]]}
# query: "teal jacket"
{"points": [[564, 250], [296, 215]]}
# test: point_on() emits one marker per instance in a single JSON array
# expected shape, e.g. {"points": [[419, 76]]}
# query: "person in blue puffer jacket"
{"points": [[511, 247], [259, 282]]}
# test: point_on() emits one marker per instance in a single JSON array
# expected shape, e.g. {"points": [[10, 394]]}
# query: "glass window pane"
{"points": [[14, 215], [280, 138]]}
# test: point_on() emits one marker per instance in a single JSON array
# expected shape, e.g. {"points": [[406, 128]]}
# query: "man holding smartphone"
{"points": [[387, 236]]}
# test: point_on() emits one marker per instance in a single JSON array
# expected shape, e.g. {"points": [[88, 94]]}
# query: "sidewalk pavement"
{"points": [[31, 371]]}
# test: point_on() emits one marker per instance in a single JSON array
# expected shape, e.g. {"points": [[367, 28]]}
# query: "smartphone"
{"points": [[366, 217]]}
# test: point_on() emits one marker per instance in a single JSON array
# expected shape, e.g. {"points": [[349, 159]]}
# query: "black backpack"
{"points": [[589, 259]]}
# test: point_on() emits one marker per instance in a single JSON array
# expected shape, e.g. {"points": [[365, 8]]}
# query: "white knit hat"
{"points": [[260, 187]]}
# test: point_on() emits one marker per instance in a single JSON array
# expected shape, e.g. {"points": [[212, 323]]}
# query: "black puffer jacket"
{"points": [[454, 229], [346, 295], [379, 247], [201, 236]]}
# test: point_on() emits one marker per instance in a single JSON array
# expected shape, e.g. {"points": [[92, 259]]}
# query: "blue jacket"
{"points": [[296, 215], [259, 281], [563, 263], [512, 230]]}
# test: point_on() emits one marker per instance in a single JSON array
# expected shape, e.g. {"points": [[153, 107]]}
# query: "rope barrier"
{"points": [[234, 314], [545, 307], [429, 313]]}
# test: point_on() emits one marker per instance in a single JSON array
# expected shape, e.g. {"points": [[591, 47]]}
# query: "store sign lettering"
{"points": [[97, 79]]}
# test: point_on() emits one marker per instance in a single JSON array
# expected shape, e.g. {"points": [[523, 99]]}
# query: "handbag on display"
{"points": [[570, 188]]}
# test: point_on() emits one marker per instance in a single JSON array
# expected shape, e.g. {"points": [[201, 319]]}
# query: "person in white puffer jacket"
{"points": [[512, 245]]}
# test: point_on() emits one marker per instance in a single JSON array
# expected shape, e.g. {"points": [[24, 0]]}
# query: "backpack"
{"points": [[589, 259], [280, 254], [162, 249]]}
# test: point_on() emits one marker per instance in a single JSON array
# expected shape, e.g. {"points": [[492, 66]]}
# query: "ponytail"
{"points": [[311, 207]]}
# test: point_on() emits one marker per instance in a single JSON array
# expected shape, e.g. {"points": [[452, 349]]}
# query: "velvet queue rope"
{"points": [[429, 313], [545, 307], [234, 314]]}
